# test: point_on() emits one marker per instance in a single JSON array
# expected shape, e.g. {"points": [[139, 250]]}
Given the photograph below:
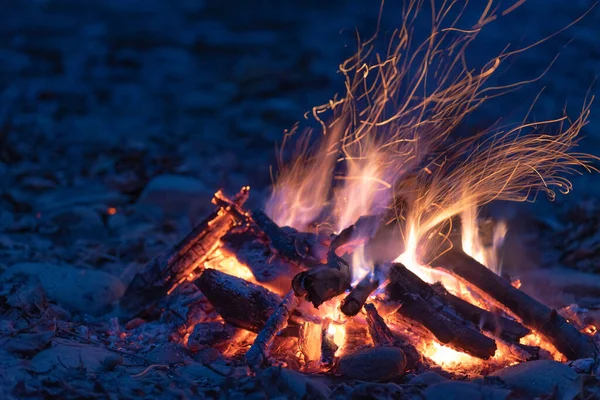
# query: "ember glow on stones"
{"points": [[370, 239]]}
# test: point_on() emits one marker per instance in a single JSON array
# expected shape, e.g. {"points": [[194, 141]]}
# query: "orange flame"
{"points": [[387, 143]]}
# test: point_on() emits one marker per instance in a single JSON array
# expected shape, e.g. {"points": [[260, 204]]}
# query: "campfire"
{"points": [[369, 259]]}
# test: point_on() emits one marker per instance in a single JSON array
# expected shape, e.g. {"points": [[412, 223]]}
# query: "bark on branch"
{"points": [[564, 336], [421, 304]]}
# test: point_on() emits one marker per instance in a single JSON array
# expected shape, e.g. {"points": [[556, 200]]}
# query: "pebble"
{"points": [[373, 364]]}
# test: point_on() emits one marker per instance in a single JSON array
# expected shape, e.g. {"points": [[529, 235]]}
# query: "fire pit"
{"points": [[371, 270], [369, 261]]}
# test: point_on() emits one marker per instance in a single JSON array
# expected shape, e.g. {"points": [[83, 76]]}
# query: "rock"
{"points": [[168, 353], [77, 222], [27, 344], [373, 365], [201, 375], [70, 354], [177, 195], [455, 390], [97, 197], [207, 355], [292, 383], [24, 292], [542, 378], [583, 365], [83, 290], [377, 391], [427, 378]]}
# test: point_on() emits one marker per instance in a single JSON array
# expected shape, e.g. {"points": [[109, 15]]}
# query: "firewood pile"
{"points": [[273, 296]]}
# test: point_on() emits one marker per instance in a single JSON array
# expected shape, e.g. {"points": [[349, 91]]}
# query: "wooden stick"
{"points": [[239, 302], [498, 325], [420, 303], [256, 357], [564, 336], [324, 282], [171, 267], [382, 335], [355, 300], [297, 251]]}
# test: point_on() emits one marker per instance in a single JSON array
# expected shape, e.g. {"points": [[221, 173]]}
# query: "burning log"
{"points": [[355, 300], [296, 250], [309, 341], [500, 326], [564, 336], [382, 335], [328, 346], [267, 267], [257, 354], [420, 303], [174, 265], [239, 302], [322, 283]]}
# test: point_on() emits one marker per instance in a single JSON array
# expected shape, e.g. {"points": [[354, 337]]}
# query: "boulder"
{"points": [[71, 354], [84, 290], [177, 195]]}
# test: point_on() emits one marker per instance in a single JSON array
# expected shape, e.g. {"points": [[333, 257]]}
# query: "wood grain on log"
{"points": [[564, 336], [257, 356], [172, 266], [239, 302], [268, 267], [298, 250], [421, 304]]}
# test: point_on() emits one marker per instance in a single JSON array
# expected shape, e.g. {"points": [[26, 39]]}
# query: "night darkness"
{"points": [[120, 119]]}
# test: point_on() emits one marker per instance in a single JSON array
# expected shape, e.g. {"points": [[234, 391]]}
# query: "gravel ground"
{"points": [[120, 118]]}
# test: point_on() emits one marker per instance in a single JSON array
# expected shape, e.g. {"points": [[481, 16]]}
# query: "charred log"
{"points": [[174, 265], [296, 248], [239, 302], [564, 336], [211, 334], [498, 325], [355, 300], [420, 303], [256, 356], [382, 335], [322, 283]]}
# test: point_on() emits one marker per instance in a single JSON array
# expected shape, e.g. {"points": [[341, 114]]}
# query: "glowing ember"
{"points": [[228, 264]]}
